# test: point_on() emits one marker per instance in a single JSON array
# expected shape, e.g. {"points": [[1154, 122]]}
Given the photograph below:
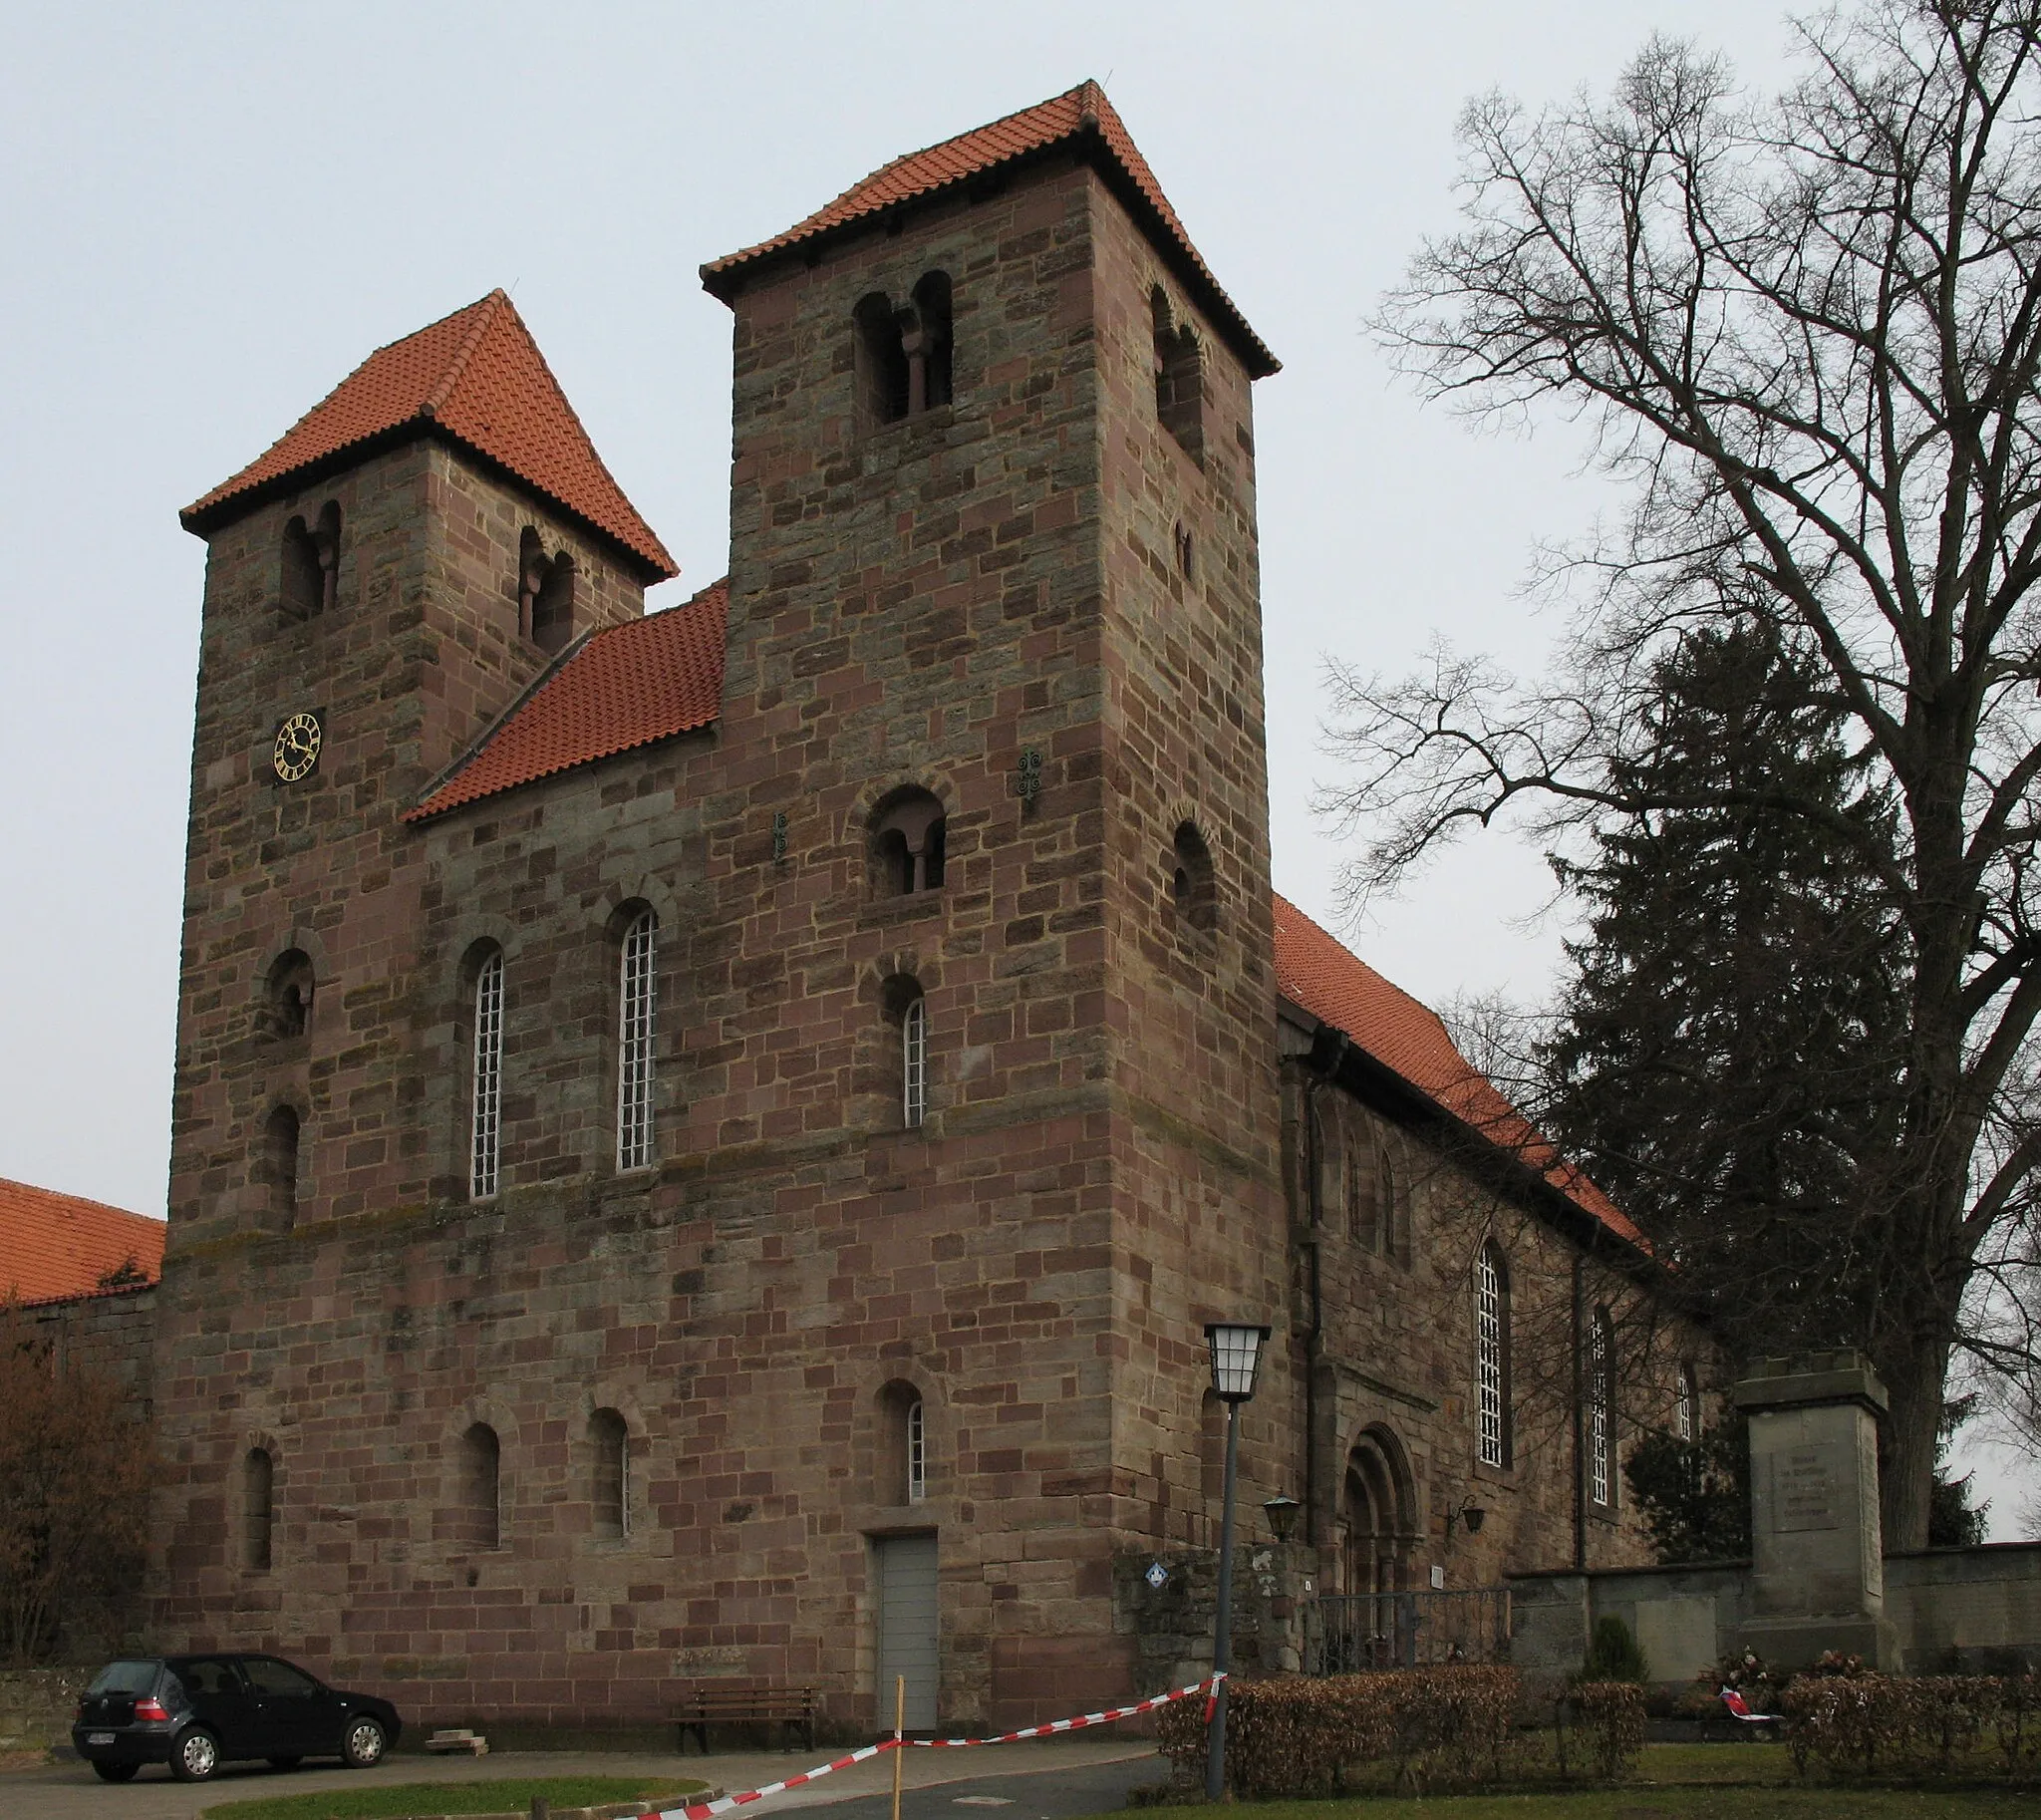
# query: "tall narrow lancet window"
{"points": [[482, 1487], [637, 1006], [1492, 1355], [881, 362], [1601, 1409], [610, 1439], [258, 1508], [914, 1055], [1686, 1403], [485, 1119]]}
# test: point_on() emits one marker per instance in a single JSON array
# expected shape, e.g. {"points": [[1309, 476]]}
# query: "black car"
{"points": [[196, 1712]]}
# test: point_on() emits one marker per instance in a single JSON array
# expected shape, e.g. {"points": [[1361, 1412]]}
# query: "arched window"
{"points": [[280, 1139], [926, 341], [1492, 1355], [1179, 378], [545, 593], [485, 1118], [610, 1443], [311, 563], [637, 1004], [914, 1059], [287, 995], [482, 1459], [906, 844], [1601, 1410], [1686, 1405], [259, 1509], [1392, 1209], [1193, 890], [881, 362], [903, 1445]]}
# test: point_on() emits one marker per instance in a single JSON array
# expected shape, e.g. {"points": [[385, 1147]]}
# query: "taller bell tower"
{"points": [[993, 542]]}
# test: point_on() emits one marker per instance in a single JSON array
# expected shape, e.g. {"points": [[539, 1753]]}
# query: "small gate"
{"points": [[1348, 1631]]}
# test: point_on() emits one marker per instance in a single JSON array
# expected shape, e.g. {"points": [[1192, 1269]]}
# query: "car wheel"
{"points": [[116, 1772], [194, 1756], [285, 1763], [362, 1745]]}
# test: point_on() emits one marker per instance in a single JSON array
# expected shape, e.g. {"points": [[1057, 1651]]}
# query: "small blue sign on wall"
{"points": [[1157, 1575]]}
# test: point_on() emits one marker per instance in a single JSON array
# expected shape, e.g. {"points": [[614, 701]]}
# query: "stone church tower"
{"points": [[703, 1143]]}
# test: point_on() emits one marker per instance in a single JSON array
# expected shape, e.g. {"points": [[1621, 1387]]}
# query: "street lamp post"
{"points": [[1236, 1353]]}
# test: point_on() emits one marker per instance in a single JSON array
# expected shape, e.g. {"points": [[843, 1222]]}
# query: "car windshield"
{"points": [[124, 1677]]}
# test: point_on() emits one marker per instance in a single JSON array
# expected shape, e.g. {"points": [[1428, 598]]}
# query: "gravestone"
{"points": [[1818, 1575]]}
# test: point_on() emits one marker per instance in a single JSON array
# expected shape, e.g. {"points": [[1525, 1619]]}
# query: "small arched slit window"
{"points": [[1601, 1410], [1492, 1355], [1686, 1405], [482, 1487], [637, 1008], [1179, 378], [486, 1109], [1358, 1171], [281, 1138], [287, 995], [259, 1509], [1193, 889], [610, 1443], [311, 563], [906, 844]]}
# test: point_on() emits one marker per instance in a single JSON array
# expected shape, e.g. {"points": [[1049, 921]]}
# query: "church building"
{"points": [[704, 1142]]}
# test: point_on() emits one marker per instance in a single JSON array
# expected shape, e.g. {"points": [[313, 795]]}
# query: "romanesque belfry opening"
{"points": [[1179, 378], [545, 593], [906, 844], [903, 353], [311, 564], [1193, 886]]}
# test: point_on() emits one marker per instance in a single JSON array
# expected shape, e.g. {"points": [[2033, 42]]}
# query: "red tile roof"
{"points": [[478, 378], [624, 687], [1316, 970], [1084, 115], [55, 1246]]}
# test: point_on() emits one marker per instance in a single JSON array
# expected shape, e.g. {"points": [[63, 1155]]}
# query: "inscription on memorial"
{"points": [[1803, 1491]]}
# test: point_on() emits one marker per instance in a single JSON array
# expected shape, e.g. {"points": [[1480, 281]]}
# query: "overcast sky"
{"points": [[209, 214]]}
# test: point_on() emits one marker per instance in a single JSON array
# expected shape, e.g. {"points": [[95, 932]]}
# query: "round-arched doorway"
{"points": [[1377, 1515]]}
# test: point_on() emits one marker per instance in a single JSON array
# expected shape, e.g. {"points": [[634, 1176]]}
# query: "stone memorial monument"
{"points": [[1818, 1575]]}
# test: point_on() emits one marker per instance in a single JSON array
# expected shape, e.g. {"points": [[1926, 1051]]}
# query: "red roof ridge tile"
{"points": [[603, 696], [1080, 113], [478, 378], [485, 313]]}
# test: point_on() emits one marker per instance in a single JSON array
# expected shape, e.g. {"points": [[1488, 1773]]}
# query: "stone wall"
{"points": [[36, 1706], [112, 1332]]}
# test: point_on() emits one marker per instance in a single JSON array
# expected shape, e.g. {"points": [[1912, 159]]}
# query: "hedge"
{"points": [[1867, 1724], [1295, 1735]]}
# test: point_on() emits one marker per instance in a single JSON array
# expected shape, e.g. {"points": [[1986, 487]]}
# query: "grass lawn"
{"points": [[1641, 1801], [407, 1798]]}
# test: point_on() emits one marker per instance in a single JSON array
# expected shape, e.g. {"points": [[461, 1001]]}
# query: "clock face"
{"points": [[297, 748]]}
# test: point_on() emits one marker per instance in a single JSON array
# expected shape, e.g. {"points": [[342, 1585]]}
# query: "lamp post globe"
{"points": [[1236, 1349]]}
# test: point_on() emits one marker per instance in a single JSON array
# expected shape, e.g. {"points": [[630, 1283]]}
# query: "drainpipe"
{"points": [[1314, 1333], [1580, 1425]]}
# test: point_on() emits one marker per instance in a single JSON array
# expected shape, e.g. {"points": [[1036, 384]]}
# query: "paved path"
{"points": [[1053, 1779]]}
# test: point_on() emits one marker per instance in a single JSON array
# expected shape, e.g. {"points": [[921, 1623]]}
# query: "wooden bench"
{"points": [[746, 1702]]}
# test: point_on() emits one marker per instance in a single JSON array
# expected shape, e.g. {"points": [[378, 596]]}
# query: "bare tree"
{"points": [[1807, 331]]}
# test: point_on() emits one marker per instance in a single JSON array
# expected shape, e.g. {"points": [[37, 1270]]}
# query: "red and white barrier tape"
{"points": [[704, 1810], [1211, 1683]]}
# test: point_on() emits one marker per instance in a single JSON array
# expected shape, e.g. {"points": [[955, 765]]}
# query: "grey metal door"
{"points": [[907, 1628]]}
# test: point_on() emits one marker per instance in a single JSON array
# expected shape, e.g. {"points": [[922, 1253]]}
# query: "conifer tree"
{"points": [[1727, 1060]]}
